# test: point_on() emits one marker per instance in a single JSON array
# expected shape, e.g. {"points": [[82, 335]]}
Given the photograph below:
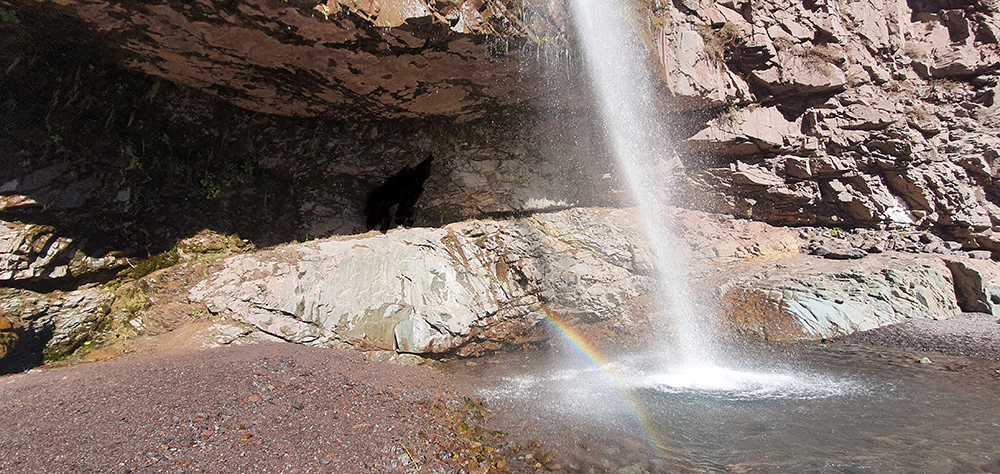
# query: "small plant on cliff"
{"points": [[918, 113], [821, 57], [140, 268], [131, 300], [8, 16], [722, 45], [729, 118]]}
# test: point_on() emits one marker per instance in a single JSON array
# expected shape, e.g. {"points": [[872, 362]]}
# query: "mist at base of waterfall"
{"points": [[808, 408]]}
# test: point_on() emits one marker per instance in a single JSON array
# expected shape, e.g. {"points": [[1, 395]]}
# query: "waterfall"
{"points": [[624, 86]]}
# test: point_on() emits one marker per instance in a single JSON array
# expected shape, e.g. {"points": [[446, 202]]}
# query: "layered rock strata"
{"points": [[56, 323], [467, 288], [877, 114], [853, 114], [402, 58], [481, 285]]}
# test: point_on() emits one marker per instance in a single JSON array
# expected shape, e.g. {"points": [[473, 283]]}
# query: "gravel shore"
{"points": [[968, 335], [256, 408], [274, 407]]}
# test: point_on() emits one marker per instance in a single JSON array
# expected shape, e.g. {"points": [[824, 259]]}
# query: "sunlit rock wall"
{"points": [[465, 288], [480, 286], [868, 113], [814, 302], [844, 114]]}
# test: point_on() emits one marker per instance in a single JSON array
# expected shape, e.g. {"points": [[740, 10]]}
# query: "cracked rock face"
{"points": [[466, 288], [58, 321], [873, 113], [480, 286], [812, 303], [32, 253]]}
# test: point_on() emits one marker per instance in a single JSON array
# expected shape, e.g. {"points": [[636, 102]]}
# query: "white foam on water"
{"points": [[594, 386], [733, 383], [521, 386]]}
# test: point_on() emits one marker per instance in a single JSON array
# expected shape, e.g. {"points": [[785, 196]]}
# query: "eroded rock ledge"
{"points": [[482, 285], [466, 288], [850, 114]]}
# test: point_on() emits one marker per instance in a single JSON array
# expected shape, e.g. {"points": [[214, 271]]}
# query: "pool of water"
{"points": [[770, 409]]}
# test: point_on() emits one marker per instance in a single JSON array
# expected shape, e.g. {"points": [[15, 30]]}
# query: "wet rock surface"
{"points": [[280, 395], [865, 279], [874, 121]]}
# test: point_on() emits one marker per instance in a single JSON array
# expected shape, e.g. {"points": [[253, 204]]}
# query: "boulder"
{"points": [[474, 286], [466, 287], [977, 285], [60, 321], [815, 302]]}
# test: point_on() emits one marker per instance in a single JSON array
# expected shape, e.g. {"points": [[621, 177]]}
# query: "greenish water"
{"points": [[774, 409]]}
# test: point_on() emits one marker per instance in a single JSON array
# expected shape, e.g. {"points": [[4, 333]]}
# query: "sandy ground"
{"points": [[275, 407], [258, 408]]}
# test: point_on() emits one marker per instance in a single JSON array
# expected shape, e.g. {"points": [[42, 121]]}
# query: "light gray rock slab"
{"points": [[433, 290], [839, 298]]}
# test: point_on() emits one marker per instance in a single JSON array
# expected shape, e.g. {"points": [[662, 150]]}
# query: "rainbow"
{"points": [[582, 346]]}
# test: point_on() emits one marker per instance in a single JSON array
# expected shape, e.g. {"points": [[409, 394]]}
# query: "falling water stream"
{"points": [[618, 65]]}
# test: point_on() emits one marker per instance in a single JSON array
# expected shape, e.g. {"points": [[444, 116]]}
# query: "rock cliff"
{"points": [[845, 114], [849, 114], [359, 59], [141, 124]]}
